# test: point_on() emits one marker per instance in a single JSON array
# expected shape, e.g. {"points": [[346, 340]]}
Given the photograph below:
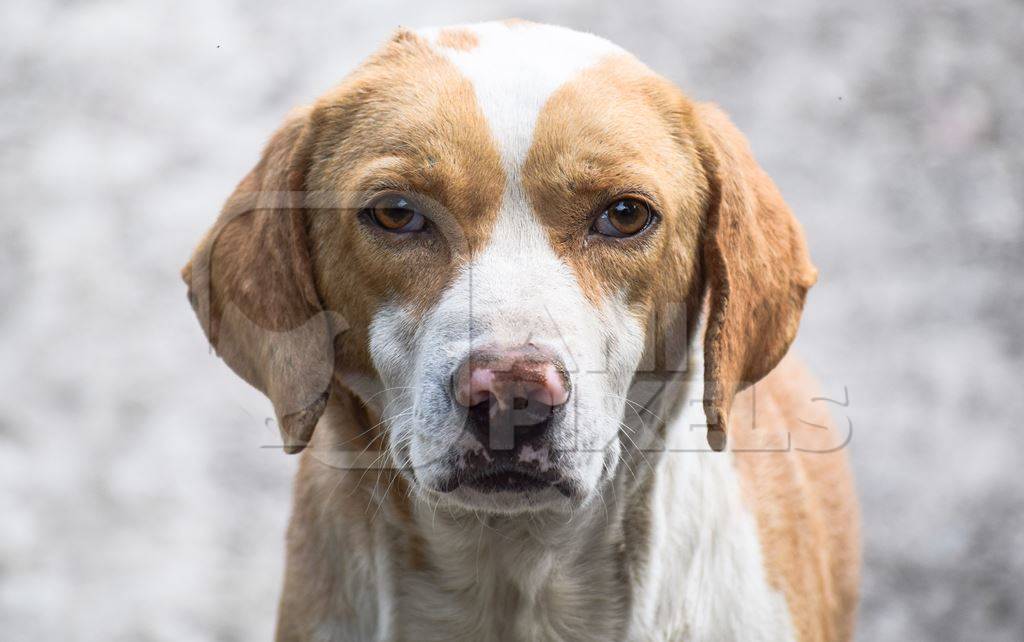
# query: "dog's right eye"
{"points": [[395, 214]]}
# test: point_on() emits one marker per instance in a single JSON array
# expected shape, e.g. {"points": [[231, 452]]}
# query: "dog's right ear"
{"points": [[251, 284]]}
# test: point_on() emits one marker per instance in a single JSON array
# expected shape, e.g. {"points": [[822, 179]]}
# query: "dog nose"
{"points": [[510, 395], [506, 377]]}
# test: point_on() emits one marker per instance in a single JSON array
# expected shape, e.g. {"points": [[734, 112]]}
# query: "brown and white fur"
{"points": [[511, 136]]}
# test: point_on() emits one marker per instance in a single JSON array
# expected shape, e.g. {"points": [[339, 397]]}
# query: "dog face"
{"points": [[485, 232], [519, 221]]}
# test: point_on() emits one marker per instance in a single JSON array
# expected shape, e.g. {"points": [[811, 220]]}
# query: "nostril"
{"points": [[479, 416], [481, 385], [472, 385], [531, 410]]}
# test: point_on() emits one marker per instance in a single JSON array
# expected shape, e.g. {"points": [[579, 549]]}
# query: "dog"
{"points": [[510, 292]]}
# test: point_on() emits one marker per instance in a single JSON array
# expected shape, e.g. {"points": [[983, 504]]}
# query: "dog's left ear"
{"points": [[757, 268], [251, 284]]}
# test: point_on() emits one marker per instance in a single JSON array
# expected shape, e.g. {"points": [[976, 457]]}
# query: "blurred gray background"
{"points": [[136, 499]]}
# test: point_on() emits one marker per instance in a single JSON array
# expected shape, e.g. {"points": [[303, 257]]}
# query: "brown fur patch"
{"points": [[337, 516], [460, 39], [406, 121], [798, 485], [618, 130], [516, 22]]}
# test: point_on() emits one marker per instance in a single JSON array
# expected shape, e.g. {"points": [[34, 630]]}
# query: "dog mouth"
{"points": [[508, 478], [515, 481]]}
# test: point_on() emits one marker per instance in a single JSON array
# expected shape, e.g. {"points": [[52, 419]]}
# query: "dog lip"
{"points": [[505, 477], [510, 480]]}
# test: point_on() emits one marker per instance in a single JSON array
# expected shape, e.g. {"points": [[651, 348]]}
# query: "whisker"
{"points": [[605, 504], [379, 458], [372, 465], [638, 449], [380, 392], [384, 497], [376, 425], [633, 406]]}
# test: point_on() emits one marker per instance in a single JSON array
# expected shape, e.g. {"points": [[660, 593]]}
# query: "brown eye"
{"points": [[624, 217], [396, 214]]}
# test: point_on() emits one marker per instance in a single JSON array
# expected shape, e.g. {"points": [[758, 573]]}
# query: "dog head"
{"points": [[485, 232]]}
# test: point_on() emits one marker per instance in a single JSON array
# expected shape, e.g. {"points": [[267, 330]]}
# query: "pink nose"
{"points": [[510, 379]]}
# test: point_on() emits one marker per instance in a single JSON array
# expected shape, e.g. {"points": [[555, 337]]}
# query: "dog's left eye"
{"points": [[625, 217], [395, 214]]}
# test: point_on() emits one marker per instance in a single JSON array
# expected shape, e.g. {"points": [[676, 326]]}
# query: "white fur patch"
{"points": [[710, 581]]}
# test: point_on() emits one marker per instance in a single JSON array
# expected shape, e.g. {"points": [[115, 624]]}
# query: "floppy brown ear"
{"points": [[757, 268], [251, 285]]}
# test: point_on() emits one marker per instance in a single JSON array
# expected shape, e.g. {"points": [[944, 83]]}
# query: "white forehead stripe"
{"points": [[518, 282], [515, 69]]}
